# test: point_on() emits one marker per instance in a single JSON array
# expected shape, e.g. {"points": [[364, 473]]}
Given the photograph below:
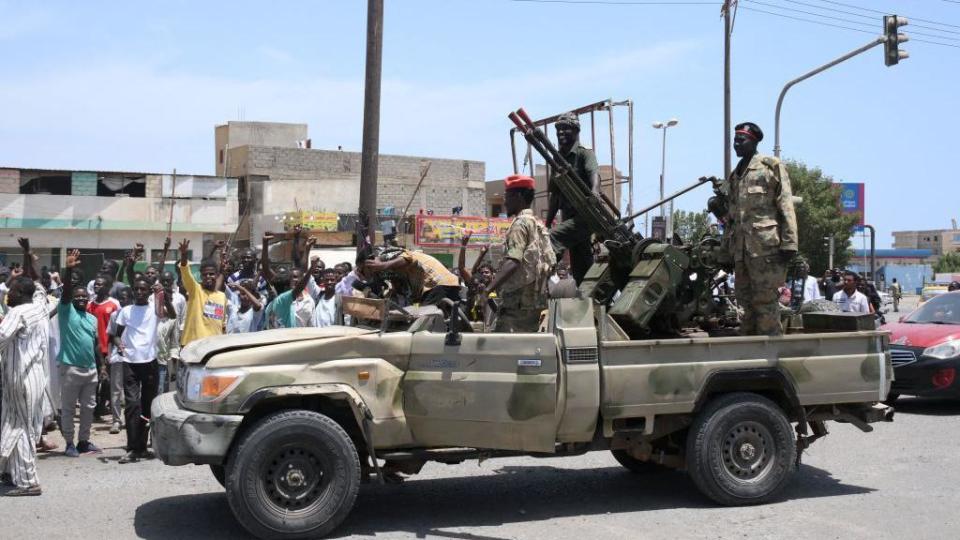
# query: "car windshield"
{"points": [[942, 309]]}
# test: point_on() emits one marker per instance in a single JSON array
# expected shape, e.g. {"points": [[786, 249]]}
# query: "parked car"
{"points": [[925, 349]]}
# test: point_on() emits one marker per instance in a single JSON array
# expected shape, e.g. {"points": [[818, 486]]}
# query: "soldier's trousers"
{"points": [[573, 235], [518, 321], [757, 280]]}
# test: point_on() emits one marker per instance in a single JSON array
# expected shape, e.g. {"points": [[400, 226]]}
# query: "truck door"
{"points": [[496, 391]]}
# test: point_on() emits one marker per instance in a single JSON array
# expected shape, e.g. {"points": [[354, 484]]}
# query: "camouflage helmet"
{"points": [[568, 119]]}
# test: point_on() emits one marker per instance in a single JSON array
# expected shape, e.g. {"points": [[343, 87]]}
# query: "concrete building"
{"points": [[938, 241], [278, 174], [105, 213]]}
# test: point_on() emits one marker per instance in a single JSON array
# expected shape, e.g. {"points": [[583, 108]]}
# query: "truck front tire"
{"points": [[741, 449], [294, 474]]}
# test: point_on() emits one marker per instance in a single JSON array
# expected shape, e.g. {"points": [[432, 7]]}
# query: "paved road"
{"points": [[897, 482]]}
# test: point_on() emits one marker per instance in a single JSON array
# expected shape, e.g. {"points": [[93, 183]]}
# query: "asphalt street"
{"points": [[898, 482]]}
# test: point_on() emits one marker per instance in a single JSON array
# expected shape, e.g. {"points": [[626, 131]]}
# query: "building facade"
{"points": [[105, 213], [279, 174], [938, 241]]}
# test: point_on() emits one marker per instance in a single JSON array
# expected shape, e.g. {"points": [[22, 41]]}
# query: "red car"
{"points": [[925, 349]]}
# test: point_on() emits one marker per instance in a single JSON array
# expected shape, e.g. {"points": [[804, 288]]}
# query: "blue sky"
{"points": [[134, 86]]}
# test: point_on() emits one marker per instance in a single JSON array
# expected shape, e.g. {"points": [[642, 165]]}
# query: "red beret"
{"points": [[518, 181]]}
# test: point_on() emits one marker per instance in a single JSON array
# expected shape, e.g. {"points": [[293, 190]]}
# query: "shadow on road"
{"points": [[515, 494], [927, 406]]}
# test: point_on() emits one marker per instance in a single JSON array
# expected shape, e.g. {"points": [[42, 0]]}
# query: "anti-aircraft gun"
{"points": [[663, 287]]}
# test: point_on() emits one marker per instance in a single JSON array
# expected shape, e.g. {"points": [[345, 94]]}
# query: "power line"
{"points": [[834, 2], [841, 26], [841, 19], [872, 17]]}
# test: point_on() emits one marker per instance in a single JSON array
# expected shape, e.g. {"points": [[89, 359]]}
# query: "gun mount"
{"points": [[662, 287]]}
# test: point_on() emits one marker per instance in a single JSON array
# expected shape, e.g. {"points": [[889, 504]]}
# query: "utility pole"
{"points": [[370, 151], [830, 246], [727, 29]]}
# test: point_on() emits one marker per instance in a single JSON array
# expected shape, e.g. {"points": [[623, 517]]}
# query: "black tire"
{"points": [[636, 466], [741, 450], [220, 474], [295, 474]]}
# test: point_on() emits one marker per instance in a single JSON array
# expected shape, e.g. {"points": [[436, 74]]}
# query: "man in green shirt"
{"points": [[572, 233], [77, 362]]}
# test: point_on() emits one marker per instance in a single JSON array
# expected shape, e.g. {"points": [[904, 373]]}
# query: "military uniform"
{"points": [[572, 233], [760, 224], [522, 296]]}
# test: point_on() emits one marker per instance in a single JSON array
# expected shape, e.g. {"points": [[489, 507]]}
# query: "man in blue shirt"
{"points": [[77, 361]]}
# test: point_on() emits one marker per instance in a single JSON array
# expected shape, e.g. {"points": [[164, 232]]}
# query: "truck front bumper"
{"points": [[181, 436]]}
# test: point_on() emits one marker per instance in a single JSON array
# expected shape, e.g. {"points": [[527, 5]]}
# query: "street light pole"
{"points": [[663, 171]]}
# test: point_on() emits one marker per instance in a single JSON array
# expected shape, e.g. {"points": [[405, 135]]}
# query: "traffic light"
{"points": [[891, 47]]}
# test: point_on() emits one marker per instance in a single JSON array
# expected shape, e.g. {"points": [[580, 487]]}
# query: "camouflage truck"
{"points": [[292, 421]]}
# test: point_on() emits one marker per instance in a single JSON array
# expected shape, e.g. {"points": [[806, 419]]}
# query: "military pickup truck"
{"points": [[292, 421]]}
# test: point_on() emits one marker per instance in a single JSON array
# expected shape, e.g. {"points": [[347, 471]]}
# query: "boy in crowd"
{"points": [[247, 315], [328, 311], [206, 306], [136, 343], [293, 307], [80, 354], [102, 306]]}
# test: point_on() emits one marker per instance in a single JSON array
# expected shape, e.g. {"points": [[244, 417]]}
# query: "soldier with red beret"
{"points": [[528, 261]]}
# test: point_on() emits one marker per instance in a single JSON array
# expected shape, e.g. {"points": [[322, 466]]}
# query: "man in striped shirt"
{"points": [[24, 338]]}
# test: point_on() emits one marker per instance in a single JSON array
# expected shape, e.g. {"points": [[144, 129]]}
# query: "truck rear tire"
{"points": [[635, 465], [220, 474], [741, 449], [294, 474]]}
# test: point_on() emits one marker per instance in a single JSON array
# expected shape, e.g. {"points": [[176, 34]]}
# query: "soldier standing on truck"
{"points": [[572, 233], [762, 231], [527, 263]]}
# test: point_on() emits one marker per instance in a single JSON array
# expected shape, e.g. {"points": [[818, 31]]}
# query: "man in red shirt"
{"points": [[102, 306]]}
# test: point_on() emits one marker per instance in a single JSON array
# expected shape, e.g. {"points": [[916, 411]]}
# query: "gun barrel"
{"points": [[661, 202]]}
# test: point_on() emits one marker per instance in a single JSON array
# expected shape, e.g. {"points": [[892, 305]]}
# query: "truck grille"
{"points": [[902, 357], [582, 355]]}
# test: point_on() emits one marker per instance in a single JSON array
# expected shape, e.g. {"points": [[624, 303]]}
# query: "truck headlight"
{"points": [[210, 384], [947, 349]]}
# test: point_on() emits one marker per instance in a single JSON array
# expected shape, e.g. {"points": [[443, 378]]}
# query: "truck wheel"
{"points": [[741, 449], [636, 466], [295, 474], [220, 474]]}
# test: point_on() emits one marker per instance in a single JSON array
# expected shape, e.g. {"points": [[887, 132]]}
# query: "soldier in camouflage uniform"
{"points": [[571, 233], [527, 262], [761, 230]]}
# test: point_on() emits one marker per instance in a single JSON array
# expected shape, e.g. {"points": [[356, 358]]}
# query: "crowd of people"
{"points": [[850, 291], [76, 352]]}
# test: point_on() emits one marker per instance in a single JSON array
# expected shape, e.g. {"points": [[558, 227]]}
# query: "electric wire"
{"points": [[871, 17]]}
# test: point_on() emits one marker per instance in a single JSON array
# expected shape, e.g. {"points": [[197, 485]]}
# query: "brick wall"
{"points": [[83, 183], [9, 180], [450, 182]]}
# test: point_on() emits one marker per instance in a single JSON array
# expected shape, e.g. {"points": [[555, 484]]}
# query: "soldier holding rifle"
{"points": [[571, 233]]}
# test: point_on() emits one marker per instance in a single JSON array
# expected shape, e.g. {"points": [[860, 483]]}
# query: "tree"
{"points": [[948, 263], [819, 216], [691, 226]]}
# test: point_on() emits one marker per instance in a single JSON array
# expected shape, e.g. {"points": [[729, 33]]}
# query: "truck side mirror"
{"points": [[453, 327]]}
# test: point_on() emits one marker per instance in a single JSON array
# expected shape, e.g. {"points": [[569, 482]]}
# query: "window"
{"points": [[221, 156], [120, 185], [496, 210], [45, 183]]}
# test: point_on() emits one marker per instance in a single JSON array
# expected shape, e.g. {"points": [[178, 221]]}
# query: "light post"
{"points": [[663, 171]]}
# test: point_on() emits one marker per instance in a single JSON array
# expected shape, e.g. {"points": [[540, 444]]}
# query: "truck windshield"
{"points": [[943, 309]]}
